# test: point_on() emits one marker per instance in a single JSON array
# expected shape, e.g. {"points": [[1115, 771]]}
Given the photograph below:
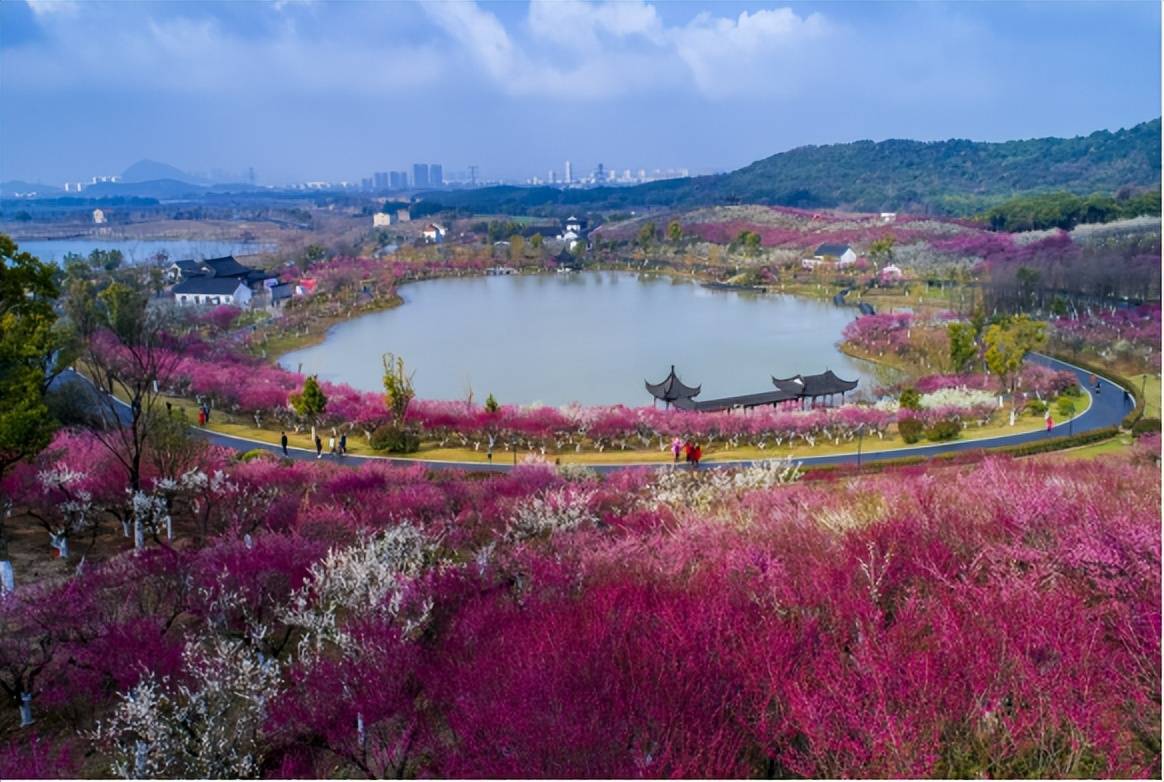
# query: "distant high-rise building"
{"points": [[420, 175], [436, 174], [380, 180], [569, 173], [600, 174], [366, 183], [398, 180]]}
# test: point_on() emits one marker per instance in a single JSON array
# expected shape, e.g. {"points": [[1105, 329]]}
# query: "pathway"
{"points": [[1108, 408]]}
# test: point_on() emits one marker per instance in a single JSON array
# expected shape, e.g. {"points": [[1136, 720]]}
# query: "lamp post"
{"points": [[860, 437]]}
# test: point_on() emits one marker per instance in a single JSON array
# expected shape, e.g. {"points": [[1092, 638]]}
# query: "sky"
{"points": [[304, 90]]}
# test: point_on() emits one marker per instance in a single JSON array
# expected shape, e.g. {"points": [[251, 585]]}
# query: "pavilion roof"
{"points": [[745, 400], [672, 388], [814, 385]]}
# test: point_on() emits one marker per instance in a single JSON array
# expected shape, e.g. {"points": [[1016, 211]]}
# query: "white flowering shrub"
{"points": [[75, 506], [558, 510], [700, 491], [209, 728], [958, 397], [577, 473], [151, 513], [371, 577]]}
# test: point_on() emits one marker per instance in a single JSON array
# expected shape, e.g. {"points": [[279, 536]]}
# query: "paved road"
{"points": [[1108, 407]]}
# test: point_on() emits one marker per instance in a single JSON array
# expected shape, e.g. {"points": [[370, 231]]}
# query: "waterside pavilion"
{"points": [[797, 391]]}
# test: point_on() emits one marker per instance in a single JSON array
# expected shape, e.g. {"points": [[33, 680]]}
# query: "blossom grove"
{"points": [[312, 620]]}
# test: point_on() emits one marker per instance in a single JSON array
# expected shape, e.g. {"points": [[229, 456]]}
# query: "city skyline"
{"points": [[304, 91]]}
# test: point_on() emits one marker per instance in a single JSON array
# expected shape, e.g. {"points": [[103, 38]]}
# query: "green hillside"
{"points": [[955, 177]]}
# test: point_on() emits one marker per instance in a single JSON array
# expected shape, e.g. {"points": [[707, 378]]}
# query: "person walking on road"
{"points": [[696, 455], [1050, 421], [283, 441], [331, 445], [318, 447], [676, 447], [343, 445]]}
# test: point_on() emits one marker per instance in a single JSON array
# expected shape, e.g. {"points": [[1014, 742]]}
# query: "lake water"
{"points": [[138, 251], [592, 338]]}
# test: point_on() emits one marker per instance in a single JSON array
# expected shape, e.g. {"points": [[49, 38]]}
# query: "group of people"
{"points": [[203, 413], [692, 452], [334, 447]]}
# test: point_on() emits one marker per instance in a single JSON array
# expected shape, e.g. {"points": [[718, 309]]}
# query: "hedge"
{"points": [[972, 455], [1145, 426]]}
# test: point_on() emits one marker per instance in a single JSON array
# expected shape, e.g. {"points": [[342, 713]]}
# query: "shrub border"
{"points": [[967, 456]]}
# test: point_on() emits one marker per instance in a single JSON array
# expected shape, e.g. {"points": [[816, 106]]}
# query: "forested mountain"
{"points": [[955, 177]]}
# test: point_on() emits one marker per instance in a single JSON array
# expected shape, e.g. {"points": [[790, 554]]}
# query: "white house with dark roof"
{"points": [[222, 268], [202, 291], [434, 232], [841, 253]]}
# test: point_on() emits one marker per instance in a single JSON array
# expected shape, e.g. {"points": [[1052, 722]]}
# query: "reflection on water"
{"points": [[591, 338]]}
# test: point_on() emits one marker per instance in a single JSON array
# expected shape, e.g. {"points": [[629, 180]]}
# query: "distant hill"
{"points": [[163, 189], [152, 170], [13, 186], [954, 177]]}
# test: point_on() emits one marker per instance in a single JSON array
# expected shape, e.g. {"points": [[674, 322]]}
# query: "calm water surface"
{"points": [[591, 338], [138, 251]]}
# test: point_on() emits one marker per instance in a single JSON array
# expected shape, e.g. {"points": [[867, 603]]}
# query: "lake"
{"points": [[138, 251], [592, 337]]}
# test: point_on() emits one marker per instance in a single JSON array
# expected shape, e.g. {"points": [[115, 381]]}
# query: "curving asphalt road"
{"points": [[1108, 407]]}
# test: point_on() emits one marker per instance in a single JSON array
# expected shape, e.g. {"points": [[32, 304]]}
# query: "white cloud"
{"points": [[753, 52], [597, 50], [578, 25], [50, 7], [183, 54]]}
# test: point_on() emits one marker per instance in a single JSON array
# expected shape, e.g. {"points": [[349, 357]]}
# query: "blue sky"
{"points": [[312, 90]]}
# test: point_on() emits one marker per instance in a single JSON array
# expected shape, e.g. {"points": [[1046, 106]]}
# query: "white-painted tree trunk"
{"points": [[139, 759], [169, 528], [138, 534], [25, 709], [7, 577]]}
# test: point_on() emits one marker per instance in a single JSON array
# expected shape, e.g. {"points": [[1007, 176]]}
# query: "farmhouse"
{"points": [[221, 268], [212, 290], [841, 253], [434, 232]]}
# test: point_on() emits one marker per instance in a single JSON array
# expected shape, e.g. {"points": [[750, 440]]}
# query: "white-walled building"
{"points": [[841, 253], [98, 217], [434, 232], [212, 291], [381, 220]]}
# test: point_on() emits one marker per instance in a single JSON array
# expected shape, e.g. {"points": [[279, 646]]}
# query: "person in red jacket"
{"points": [[696, 455]]}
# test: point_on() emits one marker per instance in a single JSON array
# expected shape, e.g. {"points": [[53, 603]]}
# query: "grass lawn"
{"points": [[1116, 445], [1151, 386]]}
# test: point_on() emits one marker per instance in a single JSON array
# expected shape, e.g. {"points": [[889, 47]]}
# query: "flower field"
{"points": [[307, 620]]}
